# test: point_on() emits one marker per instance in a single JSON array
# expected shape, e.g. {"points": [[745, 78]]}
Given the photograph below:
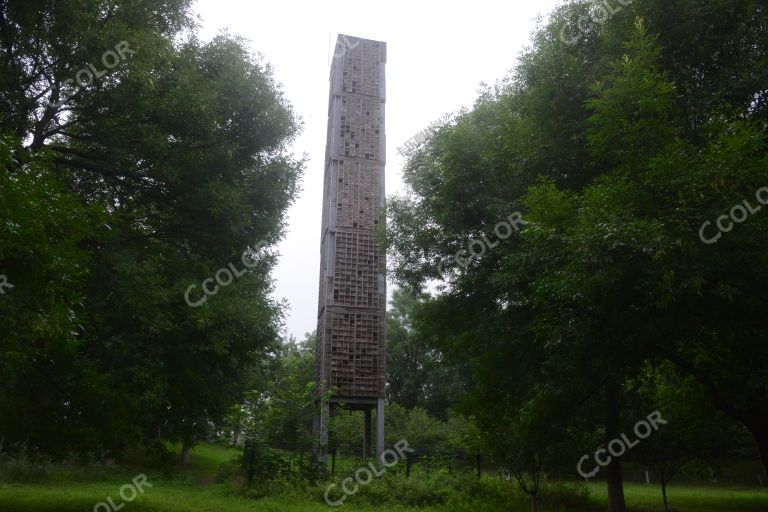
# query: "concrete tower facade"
{"points": [[350, 354]]}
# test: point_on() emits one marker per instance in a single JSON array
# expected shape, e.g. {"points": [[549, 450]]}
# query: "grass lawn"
{"points": [[194, 490], [685, 498], [162, 497]]}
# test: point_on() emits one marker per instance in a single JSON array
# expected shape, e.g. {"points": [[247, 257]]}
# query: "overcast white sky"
{"points": [[438, 53]]}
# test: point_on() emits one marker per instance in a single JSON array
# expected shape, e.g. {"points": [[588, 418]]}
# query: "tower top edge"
{"points": [[346, 38]]}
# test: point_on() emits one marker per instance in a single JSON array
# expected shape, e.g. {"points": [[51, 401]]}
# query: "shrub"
{"points": [[22, 468], [561, 495], [456, 492], [25, 467]]}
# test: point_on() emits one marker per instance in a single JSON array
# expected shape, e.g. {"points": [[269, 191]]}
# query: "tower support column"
{"points": [[321, 423], [367, 434], [379, 429]]}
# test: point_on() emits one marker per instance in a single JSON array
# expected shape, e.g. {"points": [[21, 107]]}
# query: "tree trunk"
{"points": [[534, 502], [615, 483], [186, 446], [613, 477], [664, 495], [758, 426]]}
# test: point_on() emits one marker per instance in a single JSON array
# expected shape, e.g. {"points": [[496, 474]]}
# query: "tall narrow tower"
{"points": [[350, 354]]}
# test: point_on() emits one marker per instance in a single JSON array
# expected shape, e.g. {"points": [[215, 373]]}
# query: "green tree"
{"points": [[693, 428], [52, 396], [292, 398], [182, 145], [616, 149], [417, 373]]}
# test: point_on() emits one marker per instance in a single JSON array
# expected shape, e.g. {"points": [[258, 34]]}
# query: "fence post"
{"points": [[301, 463], [408, 462], [479, 467]]}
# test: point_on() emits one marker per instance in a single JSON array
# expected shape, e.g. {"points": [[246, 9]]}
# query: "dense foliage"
{"points": [[617, 146], [137, 162]]}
